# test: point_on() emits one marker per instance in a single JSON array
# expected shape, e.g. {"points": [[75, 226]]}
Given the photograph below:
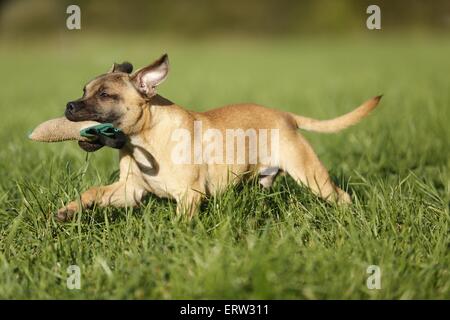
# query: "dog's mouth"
{"points": [[89, 116], [79, 116]]}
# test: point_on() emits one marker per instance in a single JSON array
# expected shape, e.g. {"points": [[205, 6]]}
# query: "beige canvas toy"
{"points": [[91, 135], [60, 129]]}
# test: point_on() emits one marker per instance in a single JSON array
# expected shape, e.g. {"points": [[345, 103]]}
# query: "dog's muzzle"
{"points": [[71, 108], [77, 111]]}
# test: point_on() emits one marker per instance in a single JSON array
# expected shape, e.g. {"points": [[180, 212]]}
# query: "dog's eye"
{"points": [[104, 94]]}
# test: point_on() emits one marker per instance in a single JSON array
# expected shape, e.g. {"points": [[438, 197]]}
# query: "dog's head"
{"points": [[118, 97]]}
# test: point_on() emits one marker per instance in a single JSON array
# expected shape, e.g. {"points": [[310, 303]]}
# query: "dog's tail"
{"points": [[339, 123]]}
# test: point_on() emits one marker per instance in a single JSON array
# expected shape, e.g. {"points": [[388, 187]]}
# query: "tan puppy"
{"points": [[166, 153]]}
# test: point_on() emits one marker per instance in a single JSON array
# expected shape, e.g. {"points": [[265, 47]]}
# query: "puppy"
{"points": [[178, 154]]}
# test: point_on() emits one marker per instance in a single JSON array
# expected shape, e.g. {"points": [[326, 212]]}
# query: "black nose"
{"points": [[70, 107]]}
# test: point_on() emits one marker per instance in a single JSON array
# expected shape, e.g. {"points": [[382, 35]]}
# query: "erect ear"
{"points": [[121, 67], [147, 78]]}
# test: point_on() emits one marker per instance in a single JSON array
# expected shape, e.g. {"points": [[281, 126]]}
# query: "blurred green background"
{"points": [[194, 18], [202, 37]]}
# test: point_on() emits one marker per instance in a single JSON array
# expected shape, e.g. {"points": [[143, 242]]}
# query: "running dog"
{"points": [[129, 101]]}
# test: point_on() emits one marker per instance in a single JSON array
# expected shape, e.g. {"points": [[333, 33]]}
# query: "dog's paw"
{"points": [[64, 214]]}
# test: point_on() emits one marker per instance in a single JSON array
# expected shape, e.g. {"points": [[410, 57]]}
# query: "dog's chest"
{"points": [[148, 167]]}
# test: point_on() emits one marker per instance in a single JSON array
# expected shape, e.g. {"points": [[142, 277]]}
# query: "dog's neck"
{"points": [[143, 142], [146, 118], [158, 114]]}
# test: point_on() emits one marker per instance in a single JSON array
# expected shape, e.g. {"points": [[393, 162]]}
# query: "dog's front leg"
{"points": [[118, 194], [188, 204]]}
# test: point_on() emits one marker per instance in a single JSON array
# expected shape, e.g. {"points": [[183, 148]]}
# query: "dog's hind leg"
{"points": [[302, 164], [267, 175], [118, 194]]}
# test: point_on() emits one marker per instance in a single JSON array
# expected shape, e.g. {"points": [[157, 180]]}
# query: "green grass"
{"points": [[249, 242]]}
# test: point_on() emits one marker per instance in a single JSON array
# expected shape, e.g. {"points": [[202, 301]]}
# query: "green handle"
{"points": [[105, 129]]}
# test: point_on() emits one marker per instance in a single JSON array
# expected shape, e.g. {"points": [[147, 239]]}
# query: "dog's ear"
{"points": [[148, 78], [121, 67]]}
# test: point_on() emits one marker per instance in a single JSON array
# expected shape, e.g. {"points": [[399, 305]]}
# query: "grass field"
{"points": [[249, 242]]}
